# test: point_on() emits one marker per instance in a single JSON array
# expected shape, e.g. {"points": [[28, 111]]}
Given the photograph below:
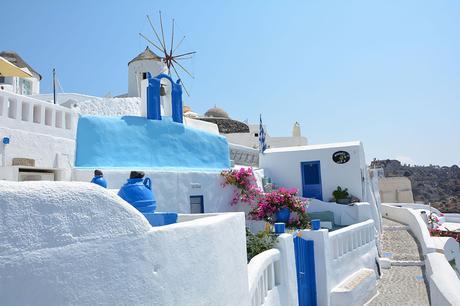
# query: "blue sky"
{"points": [[383, 72]]}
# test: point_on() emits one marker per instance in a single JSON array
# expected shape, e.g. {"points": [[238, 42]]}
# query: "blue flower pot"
{"points": [[138, 193], [283, 215]]}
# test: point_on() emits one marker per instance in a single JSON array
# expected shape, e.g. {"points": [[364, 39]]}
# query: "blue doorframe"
{"points": [[311, 179]]}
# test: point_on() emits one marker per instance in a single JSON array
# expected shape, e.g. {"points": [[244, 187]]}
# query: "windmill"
{"points": [[169, 56]]}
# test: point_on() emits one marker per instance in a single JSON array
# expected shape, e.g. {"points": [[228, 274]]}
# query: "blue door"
{"points": [[305, 266], [311, 180]]}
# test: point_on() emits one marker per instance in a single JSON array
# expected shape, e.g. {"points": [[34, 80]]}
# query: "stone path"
{"points": [[405, 283]]}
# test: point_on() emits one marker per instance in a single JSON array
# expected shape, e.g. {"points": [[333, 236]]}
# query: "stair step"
{"points": [[356, 289], [407, 263], [396, 228]]}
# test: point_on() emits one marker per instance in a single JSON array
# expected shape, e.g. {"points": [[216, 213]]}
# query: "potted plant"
{"points": [[341, 196], [281, 205]]}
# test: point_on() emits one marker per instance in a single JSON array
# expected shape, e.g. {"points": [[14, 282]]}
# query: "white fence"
{"points": [[263, 276], [340, 254], [346, 240], [244, 156], [26, 113]]}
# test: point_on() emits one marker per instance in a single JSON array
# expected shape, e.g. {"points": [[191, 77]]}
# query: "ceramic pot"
{"points": [[283, 215], [138, 193]]}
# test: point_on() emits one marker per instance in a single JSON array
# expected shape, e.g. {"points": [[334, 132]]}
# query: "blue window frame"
{"points": [[196, 204]]}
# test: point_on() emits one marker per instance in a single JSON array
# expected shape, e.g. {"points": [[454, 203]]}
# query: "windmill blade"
{"points": [[151, 42], [184, 54], [162, 33], [184, 58], [183, 68], [180, 42], [182, 83], [156, 34], [172, 39]]}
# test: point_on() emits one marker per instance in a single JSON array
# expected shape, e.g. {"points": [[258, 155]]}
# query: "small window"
{"points": [[2, 80], [196, 204], [144, 75], [256, 134]]}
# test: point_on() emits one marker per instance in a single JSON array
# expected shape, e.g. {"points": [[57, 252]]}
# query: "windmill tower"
{"points": [[138, 67], [166, 62]]}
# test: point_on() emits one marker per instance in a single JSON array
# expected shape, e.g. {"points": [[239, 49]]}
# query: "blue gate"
{"points": [[305, 266]]}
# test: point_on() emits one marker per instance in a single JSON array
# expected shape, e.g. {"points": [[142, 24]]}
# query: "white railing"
{"points": [[26, 113], [348, 239], [263, 275], [244, 156]]}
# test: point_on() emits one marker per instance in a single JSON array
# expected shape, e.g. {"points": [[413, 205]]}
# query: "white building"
{"points": [[317, 170], [22, 86], [247, 135], [251, 139]]}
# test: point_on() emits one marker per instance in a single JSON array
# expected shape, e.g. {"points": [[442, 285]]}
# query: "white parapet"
{"points": [[36, 116], [74, 243]]}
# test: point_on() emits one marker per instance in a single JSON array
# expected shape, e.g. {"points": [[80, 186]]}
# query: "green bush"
{"points": [[258, 243]]}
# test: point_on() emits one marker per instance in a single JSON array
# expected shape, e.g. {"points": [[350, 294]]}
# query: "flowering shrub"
{"points": [[439, 233], [264, 206], [243, 179], [272, 202]]}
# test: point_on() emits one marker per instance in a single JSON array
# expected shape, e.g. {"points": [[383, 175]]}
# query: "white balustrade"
{"points": [[244, 156], [263, 275], [33, 115], [348, 239]]}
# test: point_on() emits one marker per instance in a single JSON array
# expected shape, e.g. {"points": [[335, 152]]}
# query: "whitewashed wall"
{"points": [[78, 244], [173, 188], [343, 214], [283, 166], [36, 116]]}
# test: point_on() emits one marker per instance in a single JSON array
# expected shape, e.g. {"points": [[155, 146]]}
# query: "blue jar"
{"points": [[283, 215], [138, 193], [99, 180]]}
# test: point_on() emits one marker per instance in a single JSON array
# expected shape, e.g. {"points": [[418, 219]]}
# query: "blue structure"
{"points": [[305, 266], [280, 228], [130, 141], [99, 180], [161, 218], [138, 193], [153, 98]]}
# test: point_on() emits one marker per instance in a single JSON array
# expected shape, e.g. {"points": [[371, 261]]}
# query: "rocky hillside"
{"points": [[435, 184]]}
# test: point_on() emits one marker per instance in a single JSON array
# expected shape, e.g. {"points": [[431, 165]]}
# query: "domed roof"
{"points": [[216, 112], [146, 55]]}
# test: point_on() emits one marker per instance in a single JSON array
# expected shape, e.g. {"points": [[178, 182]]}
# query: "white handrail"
{"points": [[262, 275], [347, 239], [33, 115]]}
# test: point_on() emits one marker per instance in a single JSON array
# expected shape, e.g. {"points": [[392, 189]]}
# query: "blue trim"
{"points": [[153, 98], [201, 201], [302, 165]]}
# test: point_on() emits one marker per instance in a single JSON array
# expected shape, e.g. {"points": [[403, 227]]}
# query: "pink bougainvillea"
{"points": [[264, 206], [246, 189]]}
